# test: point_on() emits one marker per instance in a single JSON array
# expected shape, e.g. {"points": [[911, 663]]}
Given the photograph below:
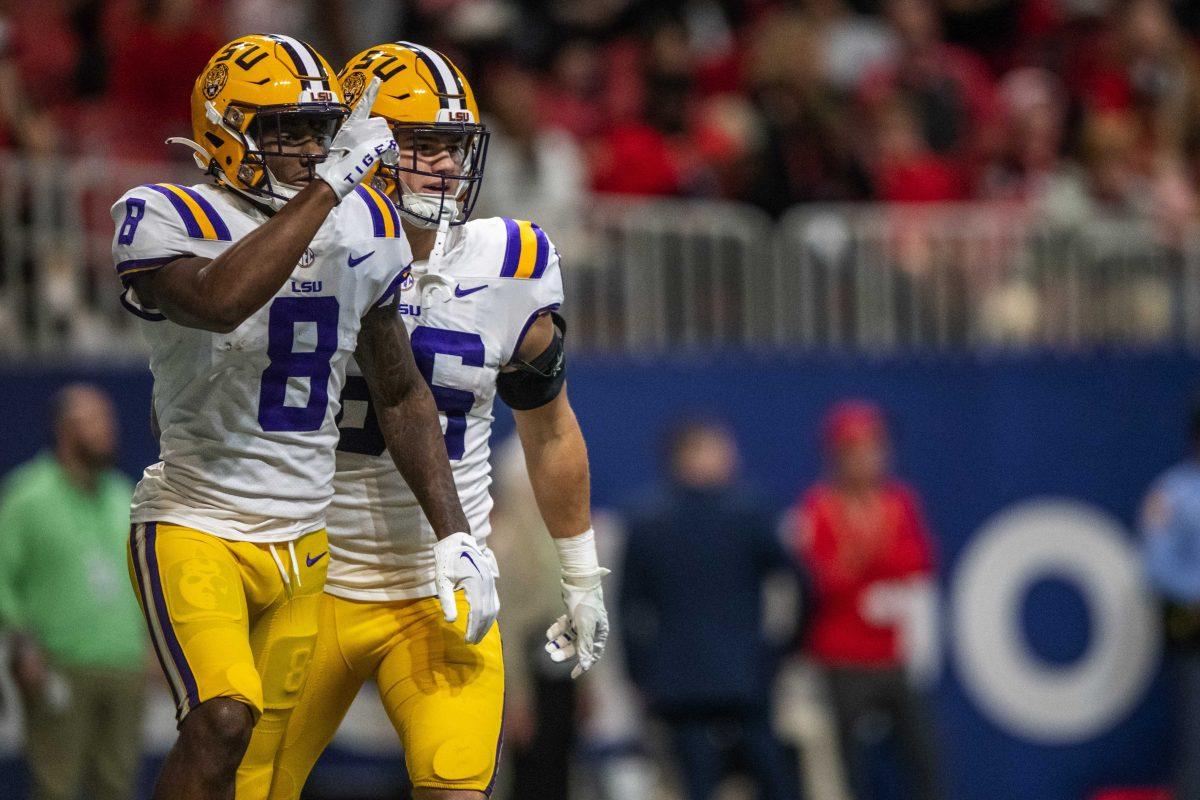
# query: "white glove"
{"points": [[583, 631], [359, 143], [458, 563]]}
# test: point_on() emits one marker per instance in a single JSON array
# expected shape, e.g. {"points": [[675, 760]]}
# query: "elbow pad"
{"points": [[535, 383]]}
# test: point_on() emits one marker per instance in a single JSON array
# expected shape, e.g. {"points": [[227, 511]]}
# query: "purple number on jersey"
{"points": [[427, 345], [286, 312], [135, 209]]}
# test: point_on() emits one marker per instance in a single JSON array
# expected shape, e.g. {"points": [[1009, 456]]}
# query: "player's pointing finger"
{"points": [[362, 109]]}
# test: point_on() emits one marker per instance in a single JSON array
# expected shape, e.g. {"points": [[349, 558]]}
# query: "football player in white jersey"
{"points": [[255, 290], [482, 314]]}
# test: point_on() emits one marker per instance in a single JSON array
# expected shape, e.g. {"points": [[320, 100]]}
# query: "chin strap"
{"points": [[432, 285]]}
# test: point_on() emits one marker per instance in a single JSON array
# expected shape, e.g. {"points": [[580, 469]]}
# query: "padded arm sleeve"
{"points": [[535, 383]]}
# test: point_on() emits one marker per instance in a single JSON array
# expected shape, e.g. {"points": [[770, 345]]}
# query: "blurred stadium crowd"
{"points": [[1064, 104], [1071, 126]]}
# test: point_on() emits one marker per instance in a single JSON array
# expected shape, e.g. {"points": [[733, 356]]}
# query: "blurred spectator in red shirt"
{"points": [[45, 46], [21, 125], [905, 169], [947, 88], [863, 539], [40, 58], [159, 48], [632, 155]]}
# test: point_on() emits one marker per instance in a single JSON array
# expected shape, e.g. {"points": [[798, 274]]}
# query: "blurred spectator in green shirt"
{"points": [[77, 635]]}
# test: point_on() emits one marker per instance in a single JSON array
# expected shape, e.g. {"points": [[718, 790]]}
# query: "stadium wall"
{"points": [[1047, 663]]}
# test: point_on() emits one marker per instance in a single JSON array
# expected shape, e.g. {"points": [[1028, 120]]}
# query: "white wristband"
{"points": [[577, 554]]}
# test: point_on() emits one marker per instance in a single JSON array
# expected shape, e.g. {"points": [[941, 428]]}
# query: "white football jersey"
{"points": [[247, 417], [506, 274]]}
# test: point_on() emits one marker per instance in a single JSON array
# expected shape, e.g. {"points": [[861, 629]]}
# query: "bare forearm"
{"points": [[251, 272], [222, 293], [408, 419], [413, 435], [556, 458]]}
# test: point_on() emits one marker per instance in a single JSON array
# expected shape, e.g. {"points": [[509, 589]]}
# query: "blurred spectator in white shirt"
{"points": [[533, 171]]}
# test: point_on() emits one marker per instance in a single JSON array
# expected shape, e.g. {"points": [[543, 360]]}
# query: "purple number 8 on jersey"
{"points": [[286, 363], [135, 209]]}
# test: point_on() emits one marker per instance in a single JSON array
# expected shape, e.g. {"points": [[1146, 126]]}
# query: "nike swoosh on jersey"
{"points": [[353, 262], [309, 560], [461, 292]]}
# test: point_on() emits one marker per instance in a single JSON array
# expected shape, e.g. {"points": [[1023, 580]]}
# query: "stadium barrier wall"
{"points": [[1047, 683]]}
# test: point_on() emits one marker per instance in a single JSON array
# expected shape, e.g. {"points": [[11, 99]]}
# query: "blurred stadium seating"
{"points": [[981, 213]]}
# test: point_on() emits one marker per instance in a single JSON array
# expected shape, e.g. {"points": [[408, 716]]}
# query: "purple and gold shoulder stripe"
{"points": [[383, 214], [131, 267], [199, 217], [526, 250]]}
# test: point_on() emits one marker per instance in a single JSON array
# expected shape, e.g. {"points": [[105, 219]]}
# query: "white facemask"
{"points": [[428, 210]]}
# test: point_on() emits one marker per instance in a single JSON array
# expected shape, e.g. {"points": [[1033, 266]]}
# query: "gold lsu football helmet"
{"points": [[260, 88], [430, 108]]}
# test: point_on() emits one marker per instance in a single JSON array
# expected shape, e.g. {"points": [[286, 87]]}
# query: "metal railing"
{"points": [[654, 276], [58, 290], [670, 275], [982, 276]]}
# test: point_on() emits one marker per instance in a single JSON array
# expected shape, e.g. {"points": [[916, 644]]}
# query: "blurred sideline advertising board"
{"points": [[1047, 664]]}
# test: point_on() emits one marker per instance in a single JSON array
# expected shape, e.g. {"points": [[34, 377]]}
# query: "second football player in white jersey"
{"points": [[481, 309]]}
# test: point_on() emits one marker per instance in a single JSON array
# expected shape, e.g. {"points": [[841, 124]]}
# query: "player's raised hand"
{"points": [[359, 144], [583, 631], [362, 112], [458, 563]]}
